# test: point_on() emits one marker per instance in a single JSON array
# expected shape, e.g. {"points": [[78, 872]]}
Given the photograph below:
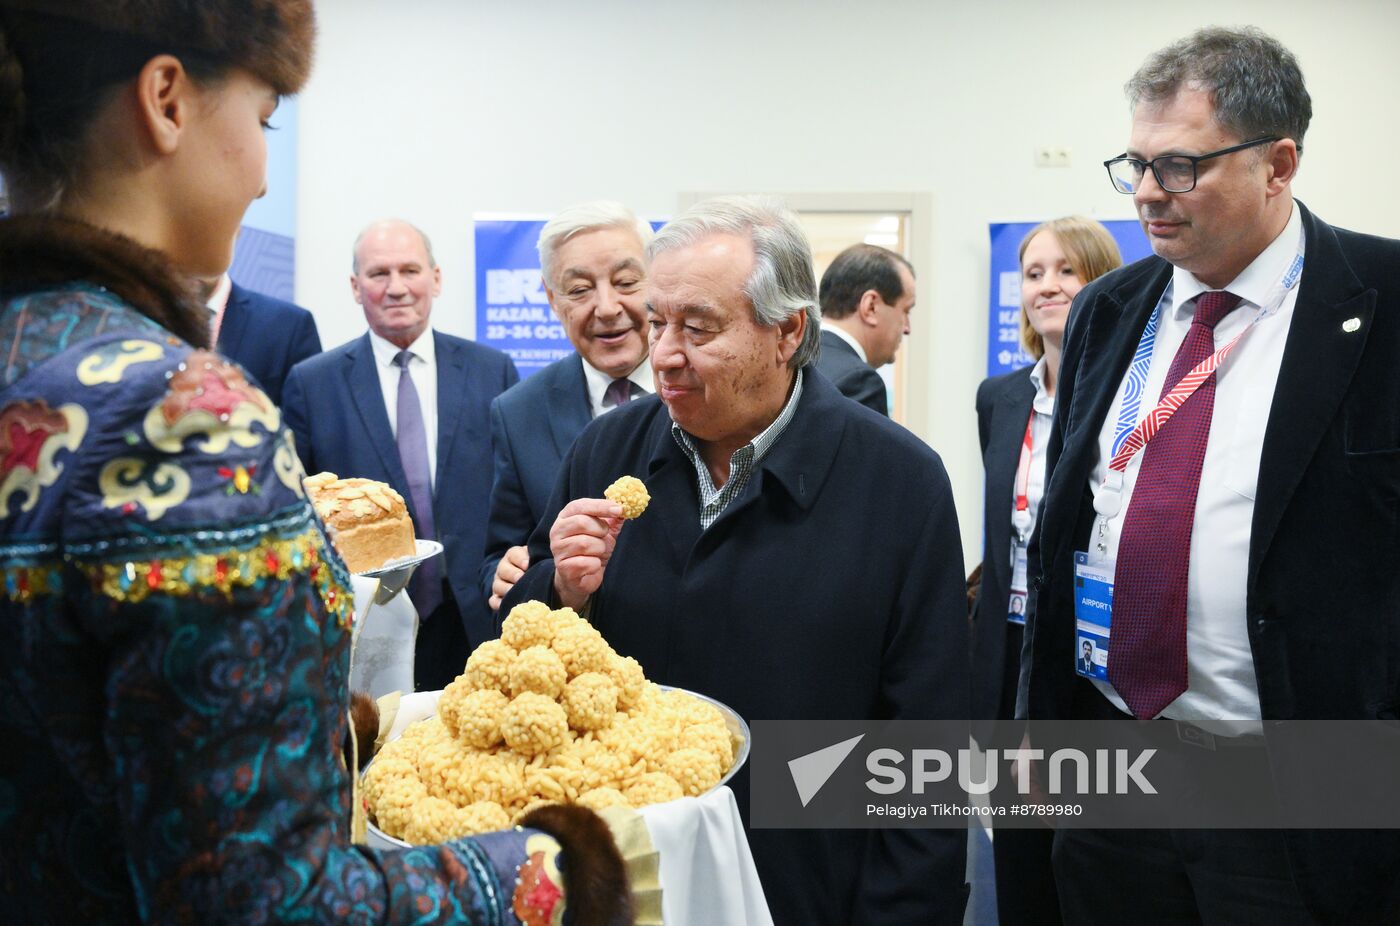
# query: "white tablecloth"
{"points": [[707, 871]]}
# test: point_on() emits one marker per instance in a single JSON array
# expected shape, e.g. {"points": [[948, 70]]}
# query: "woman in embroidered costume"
{"points": [[173, 691]]}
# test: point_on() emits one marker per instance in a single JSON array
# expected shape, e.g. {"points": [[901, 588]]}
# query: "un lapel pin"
{"points": [[1351, 325]]}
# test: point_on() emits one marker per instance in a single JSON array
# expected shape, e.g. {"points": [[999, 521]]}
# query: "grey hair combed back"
{"points": [[584, 217], [1254, 83], [783, 281]]}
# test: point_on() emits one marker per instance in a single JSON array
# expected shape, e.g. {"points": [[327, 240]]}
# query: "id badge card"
{"points": [[1093, 611], [1016, 605]]}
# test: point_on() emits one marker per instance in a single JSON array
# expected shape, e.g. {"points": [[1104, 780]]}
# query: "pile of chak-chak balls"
{"points": [[546, 714]]}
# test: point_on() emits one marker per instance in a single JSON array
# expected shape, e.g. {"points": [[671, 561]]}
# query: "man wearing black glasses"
{"points": [[1226, 455]]}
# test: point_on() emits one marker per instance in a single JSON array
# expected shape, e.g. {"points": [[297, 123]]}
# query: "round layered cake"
{"points": [[367, 521]]}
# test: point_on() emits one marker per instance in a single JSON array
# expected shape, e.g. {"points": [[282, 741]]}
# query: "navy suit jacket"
{"points": [[1323, 590], [267, 337], [1003, 408], [334, 406], [533, 424], [855, 378], [819, 593]]}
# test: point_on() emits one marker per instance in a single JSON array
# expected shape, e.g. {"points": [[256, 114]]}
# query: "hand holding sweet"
{"points": [[582, 541]]}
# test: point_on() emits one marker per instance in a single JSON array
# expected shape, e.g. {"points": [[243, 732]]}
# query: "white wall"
{"points": [[435, 109]]}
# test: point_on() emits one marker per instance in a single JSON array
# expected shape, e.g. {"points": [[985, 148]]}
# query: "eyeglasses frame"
{"points": [[1195, 160]]}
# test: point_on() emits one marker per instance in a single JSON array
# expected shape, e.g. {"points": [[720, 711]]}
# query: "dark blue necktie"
{"points": [[412, 439]]}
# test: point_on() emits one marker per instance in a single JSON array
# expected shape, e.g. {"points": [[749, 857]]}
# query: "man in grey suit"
{"points": [[866, 296], [592, 258]]}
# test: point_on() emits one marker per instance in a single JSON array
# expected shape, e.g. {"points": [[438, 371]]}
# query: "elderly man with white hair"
{"points": [[593, 261], [800, 557]]}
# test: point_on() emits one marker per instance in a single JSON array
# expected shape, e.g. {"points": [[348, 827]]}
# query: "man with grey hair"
{"points": [[723, 586], [593, 264], [1240, 538], [866, 296], [409, 406]]}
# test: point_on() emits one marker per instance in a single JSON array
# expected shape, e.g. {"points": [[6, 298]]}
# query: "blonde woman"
{"points": [[1058, 258]]}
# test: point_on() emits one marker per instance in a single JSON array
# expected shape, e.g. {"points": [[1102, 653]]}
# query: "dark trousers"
{"points": [[1026, 894], [441, 651], [1025, 882], [1224, 877], [1148, 877]]}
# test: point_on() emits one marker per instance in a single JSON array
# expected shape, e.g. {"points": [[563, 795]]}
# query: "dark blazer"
{"points": [[334, 406], [267, 337], [853, 376], [533, 424], [1003, 407], [819, 593], [1325, 539]]}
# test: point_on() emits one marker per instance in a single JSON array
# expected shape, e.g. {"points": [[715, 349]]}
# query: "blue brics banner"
{"points": [[512, 310], [1004, 350]]}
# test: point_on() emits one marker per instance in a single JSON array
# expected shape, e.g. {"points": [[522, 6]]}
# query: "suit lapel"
{"points": [[452, 383], [569, 405], [362, 382], [1319, 360], [234, 326], [1114, 328], [1009, 417], [803, 456]]}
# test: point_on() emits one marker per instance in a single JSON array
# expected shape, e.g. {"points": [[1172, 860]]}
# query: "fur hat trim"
{"points": [[272, 39]]}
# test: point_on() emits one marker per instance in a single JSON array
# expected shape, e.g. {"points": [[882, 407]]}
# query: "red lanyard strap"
{"points": [[1173, 400], [1023, 468]]}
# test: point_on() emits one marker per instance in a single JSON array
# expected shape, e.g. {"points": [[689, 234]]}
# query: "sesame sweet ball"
{"points": [[489, 665], [548, 714], [631, 494], [538, 669]]}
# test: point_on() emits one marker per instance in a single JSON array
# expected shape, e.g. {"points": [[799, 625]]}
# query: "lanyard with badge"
{"points": [[1021, 523], [1094, 569]]}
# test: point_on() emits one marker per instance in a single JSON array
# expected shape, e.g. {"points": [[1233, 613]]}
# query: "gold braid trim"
{"points": [[25, 583], [134, 581]]}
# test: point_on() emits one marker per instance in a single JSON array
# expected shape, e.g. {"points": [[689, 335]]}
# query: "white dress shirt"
{"points": [[598, 383], [1042, 415], [1043, 409], [849, 338], [423, 368], [217, 303], [1221, 684]]}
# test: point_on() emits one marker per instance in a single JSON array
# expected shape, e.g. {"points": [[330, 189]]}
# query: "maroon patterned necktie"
{"points": [[1147, 652], [619, 392]]}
